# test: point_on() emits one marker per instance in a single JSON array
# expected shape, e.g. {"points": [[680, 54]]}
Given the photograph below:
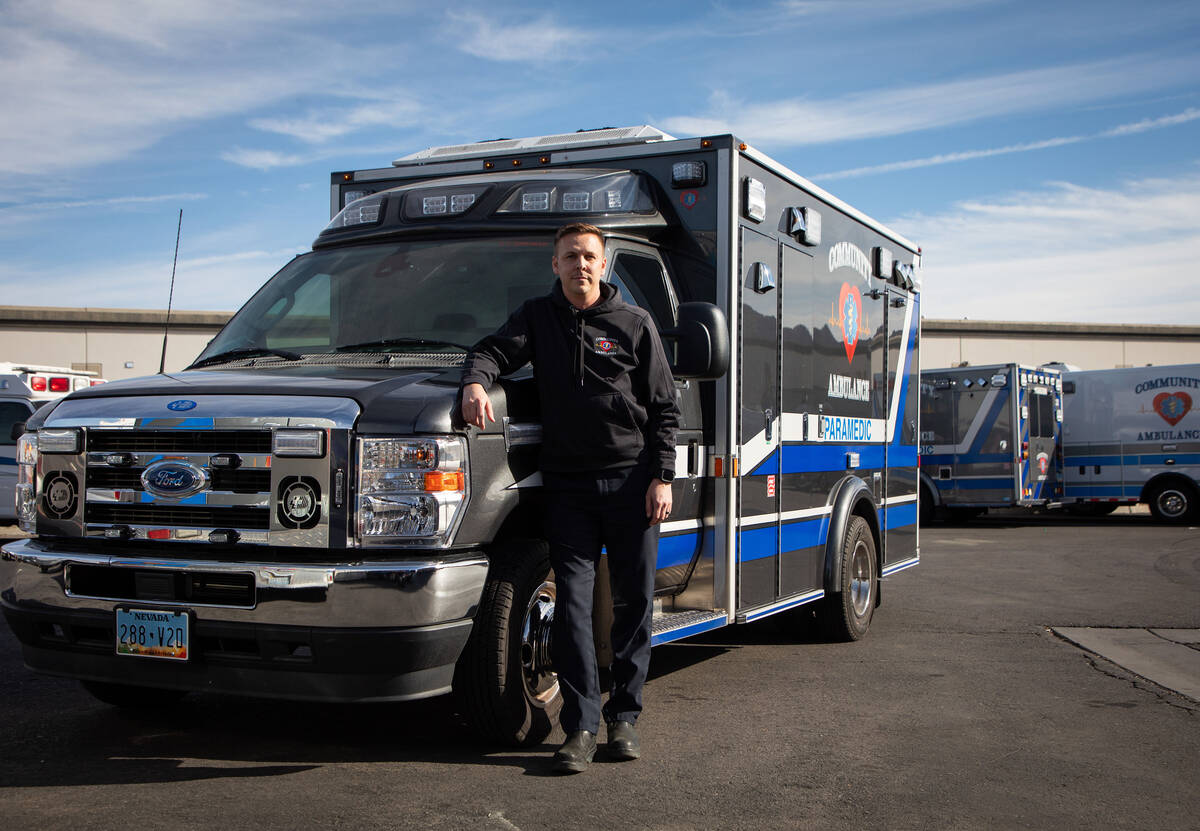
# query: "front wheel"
{"points": [[1172, 501], [846, 614], [503, 681]]}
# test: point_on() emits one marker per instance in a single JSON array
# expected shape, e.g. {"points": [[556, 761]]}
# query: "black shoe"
{"points": [[623, 741], [576, 752]]}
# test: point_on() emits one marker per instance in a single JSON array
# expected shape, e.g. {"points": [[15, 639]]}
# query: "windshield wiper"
{"points": [[366, 346], [246, 352]]}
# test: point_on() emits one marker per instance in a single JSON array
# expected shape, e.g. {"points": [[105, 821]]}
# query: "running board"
{"points": [[671, 626]]}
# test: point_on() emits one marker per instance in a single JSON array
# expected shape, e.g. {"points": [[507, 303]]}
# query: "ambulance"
{"points": [[303, 514], [1132, 435], [24, 388], [990, 438]]}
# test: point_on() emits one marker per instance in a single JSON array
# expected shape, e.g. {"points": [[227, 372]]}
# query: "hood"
{"points": [[391, 400]]}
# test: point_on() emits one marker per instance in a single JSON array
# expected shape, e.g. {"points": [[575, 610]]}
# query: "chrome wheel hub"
{"points": [[537, 669]]}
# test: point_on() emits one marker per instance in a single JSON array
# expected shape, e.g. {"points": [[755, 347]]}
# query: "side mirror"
{"points": [[701, 342], [18, 430]]}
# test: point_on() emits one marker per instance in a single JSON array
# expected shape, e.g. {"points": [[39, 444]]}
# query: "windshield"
{"points": [[404, 295]]}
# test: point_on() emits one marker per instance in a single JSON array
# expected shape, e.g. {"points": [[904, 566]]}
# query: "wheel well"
{"points": [[1166, 480]]}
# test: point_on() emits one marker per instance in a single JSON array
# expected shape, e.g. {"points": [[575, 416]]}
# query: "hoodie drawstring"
{"points": [[580, 348]]}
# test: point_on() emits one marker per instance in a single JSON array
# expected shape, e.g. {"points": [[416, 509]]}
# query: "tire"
{"points": [[1172, 501], [128, 696], [503, 681], [846, 615]]}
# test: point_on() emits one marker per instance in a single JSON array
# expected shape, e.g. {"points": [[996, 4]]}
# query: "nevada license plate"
{"points": [[152, 633]]}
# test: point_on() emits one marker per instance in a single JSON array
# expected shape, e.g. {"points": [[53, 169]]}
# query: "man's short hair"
{"points": [[576, 228]]}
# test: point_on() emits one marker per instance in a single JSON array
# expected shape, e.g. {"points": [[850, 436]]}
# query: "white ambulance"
{"points": [[23, 389], [1133, 435]]}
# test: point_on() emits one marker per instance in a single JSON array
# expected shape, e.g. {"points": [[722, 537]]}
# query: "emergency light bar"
{"points": [[605, 137]]}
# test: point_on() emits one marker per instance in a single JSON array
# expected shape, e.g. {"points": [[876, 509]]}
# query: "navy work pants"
{"points": [[585, 512]]}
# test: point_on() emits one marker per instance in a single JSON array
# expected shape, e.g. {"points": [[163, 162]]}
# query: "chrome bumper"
{"points": [[423, 591]]}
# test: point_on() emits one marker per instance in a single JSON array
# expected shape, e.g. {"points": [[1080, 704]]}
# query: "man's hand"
{"points": [[658, 501], [477, 407]]}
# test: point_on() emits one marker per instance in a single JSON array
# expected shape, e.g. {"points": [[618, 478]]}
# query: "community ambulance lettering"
{"points": [[848, 255], [853, 389]]}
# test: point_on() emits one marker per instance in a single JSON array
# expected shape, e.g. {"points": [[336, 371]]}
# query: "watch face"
{"points": [[666, 475]]}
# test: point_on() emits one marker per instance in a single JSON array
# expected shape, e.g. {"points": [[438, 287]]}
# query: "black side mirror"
{"points": [[18, 430], [701, 342]]}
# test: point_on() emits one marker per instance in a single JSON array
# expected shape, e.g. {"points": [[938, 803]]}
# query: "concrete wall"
{"points": [[113, 338], [119, 343], [1086, 345]]}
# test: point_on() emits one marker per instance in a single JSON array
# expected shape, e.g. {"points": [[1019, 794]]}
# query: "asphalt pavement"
{"points": [[963, 708]]}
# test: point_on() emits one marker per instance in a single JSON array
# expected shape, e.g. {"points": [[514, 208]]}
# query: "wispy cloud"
{"points": [[318, 126], [1118, 255], [93, 82], [536, 41], [874, 8], [1145, 125], [885, 112]]}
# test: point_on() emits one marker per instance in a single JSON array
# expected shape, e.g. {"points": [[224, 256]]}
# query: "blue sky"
{"points": [[1046, 155]]}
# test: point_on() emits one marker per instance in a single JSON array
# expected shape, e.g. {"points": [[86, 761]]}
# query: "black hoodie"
{"points": [[606, 392]]}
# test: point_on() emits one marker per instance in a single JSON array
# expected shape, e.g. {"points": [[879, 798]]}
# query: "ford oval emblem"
{"points": [[181, 405], [174, 479]]}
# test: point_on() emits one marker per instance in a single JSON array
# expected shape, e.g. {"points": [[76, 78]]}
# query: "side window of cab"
{"points": [[643, 282]]}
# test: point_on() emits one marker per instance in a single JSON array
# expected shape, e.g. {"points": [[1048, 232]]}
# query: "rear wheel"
{"points": [[846, 615], [1172, 501], [131, 697], [504, 682]]}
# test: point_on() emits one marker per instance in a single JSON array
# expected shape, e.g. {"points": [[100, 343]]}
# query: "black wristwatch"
{"points": [[665, 476]]}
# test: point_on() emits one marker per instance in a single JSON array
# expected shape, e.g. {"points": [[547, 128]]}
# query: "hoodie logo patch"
{"points": [[604, 346]]}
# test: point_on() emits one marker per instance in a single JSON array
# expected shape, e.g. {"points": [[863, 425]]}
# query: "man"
{"points": [[609, 419]]}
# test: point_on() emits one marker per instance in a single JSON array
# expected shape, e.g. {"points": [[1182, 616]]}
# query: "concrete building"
{"points": [[124, 343]]}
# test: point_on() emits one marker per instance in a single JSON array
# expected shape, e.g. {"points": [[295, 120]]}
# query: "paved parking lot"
{"points": [[962, 709]]}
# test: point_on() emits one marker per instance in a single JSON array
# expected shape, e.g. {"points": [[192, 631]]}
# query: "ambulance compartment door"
{"points": [[758, 421]]}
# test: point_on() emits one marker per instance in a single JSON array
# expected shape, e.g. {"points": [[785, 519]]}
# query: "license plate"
{"points": [[152, 633]]}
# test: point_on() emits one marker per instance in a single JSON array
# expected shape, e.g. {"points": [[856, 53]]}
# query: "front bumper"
{"points": [[370, 630]]}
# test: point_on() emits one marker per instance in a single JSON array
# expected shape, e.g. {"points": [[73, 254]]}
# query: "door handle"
{"points": [[768, 418]]}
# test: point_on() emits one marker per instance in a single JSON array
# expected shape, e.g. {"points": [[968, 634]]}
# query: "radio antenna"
{"points": [[162, 362]]}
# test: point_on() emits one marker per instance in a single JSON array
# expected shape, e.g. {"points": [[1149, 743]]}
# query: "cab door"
{"points": [[638, 272]]}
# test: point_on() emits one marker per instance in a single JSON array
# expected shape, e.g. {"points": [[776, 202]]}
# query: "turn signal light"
{"points": [[444, 481]]}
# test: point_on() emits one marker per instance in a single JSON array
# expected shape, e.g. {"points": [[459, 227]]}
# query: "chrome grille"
{"points": [[179, 441], [178, 515]]}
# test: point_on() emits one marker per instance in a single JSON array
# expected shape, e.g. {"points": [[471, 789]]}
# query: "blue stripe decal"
{"points": [[982, 484], [5, 461], [900, 566], [677, 550], [1135, 460], [687, 631], [898, 516], [784, 605], [759, 543], [1132, 491], [810, 534], [1092, 460]]}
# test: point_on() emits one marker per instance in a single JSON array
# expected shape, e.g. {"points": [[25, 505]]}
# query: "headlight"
{"points": [[410, 488], [26, 491]]}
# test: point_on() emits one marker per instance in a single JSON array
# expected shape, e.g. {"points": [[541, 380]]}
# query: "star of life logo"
{"points": [[848, 317]]}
